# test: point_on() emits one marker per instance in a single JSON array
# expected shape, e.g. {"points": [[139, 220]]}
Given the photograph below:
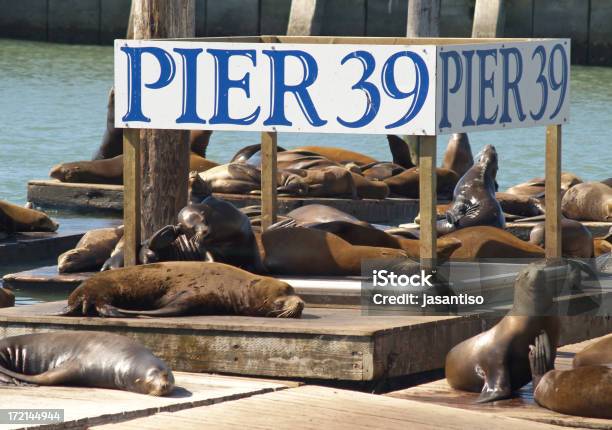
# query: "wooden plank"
{"points": [[84, 407], [553, 192], [131, 196], [269, 181], [319, 408], [428, 200], [305, 18], [489, 18]]}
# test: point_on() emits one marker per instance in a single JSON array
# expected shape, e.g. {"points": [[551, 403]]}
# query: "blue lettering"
{"points": [[189, 113], [446, 56], [486, 84], [371, 91], [511, 85], [468, 120], [542, 81]]}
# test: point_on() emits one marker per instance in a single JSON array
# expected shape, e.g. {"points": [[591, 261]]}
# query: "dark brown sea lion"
{"points": [[198, 142], [324, 182], [406, 184], [589, 201], [607, 182], [339, 155], [91, 252], [245, 154], [495, 362], [536, 187], [474, 201], [105, 171], [380, 171], [7, 298], [14, 218], [183, 288], [400, 151], [112, 140], [519, 204], [368, 189], [458, 156], [577, 240], [585, 390], [491, 242], [83, 358], [306, 251], [232, 178], [603, 245]]}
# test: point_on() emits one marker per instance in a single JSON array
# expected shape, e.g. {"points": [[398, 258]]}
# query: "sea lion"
{"points": [[490, 242], [536, 187], [458, 155], [406, 184], [368, 189], [400, 151], [198, 142], [339, 155], [232, 178], [112, 140], [324, 182], [306, 251], [607, 182], [474, 201], [577, 240], [245, 154], [603, 245], [596, 354], [7, 298], [585, 390], [104, 171], [116, 259], [317, 213], [589, 201], [91, 252], [519, 204], [380, 171], [495, 362], [83, 358], [183, 288], [14, 218]]}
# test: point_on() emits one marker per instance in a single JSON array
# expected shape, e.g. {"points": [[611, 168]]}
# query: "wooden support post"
{"points": [[269, 180], [553, 192], [305, 18], [131, 195], [489, 18], [423, 18], [427, 201]]}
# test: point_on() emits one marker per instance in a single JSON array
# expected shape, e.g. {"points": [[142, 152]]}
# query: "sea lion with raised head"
{"points": [[339, 155], [585, 390], [400, 151], [183, 288], [589, 201], [474, 202], [14, 218], [495, 362], [458, 155], [406, 184], [83, 358], [112, 140], [577, 240], [91, 252]]}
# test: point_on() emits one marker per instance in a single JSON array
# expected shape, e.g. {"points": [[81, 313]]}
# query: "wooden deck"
{"points": [[109, 198], [318, 408], [84, 407], [523, 407]]}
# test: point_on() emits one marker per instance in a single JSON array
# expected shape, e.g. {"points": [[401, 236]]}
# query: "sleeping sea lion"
{"points": [[577, 240], [183, 288], [245, 154], [232, 178], [458, 155], [91, 252], [381, 170], [324, 182], [589, 201], [339, 155], [519, 204], [83, 358], [474, 201], [406, 184], [536, 187], [14, 218]]}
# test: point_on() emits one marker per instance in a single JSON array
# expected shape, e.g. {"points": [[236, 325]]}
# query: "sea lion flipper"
{"points": [[497, 385], [540, 358]]}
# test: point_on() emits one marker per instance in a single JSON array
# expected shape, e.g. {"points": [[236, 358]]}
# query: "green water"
{"points": [[53, 109]]}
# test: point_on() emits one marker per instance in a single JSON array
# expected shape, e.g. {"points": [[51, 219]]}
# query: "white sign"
{"points": [[329, 88]]}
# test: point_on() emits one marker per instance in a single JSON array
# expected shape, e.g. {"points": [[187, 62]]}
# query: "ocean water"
{"points": [[53, 109]]}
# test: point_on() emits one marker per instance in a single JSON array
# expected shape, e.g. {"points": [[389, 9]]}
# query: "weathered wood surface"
{"points": [[269, 200], [132, 196], [553, 192], [489, 18], [423, 18], [105, 198], [319, 408], [428, 200], [84, 407], [523, 407], [305, 17]]}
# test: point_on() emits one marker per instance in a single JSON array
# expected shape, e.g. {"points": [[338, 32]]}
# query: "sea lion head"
{"points": [[274, 298], [292, 182], [156, 379], [64, 172]]}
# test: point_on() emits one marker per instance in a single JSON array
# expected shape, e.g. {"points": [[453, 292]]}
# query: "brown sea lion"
{"points": [[474, 201], [306, 251], [458, 155], [577, 240], [198, 142], [14, 218], [519, 204], [7, 298], [380, 171], [491, 242], [200, 164], [339, 155], [400, 151], [603, 245], [495, 362], [596, 354], [91, 252], [112, 140], [104, 171], [183, 288], [245, 154], [536, 187], [368, 189], [589, 201], [607, 182], [324, 182], [317, 213], [116, 259], [585, 390], [232, 178], [406, 184], [83, 358]]}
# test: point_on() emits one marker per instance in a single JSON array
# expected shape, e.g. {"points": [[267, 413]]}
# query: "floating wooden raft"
{"points": [[109, 198], [326, 343], [84, 407], [523, 407]]}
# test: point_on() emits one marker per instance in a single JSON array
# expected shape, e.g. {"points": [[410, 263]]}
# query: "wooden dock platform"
{"points": [[522, 407], [325, 344], [85, 407], [109, 198]]}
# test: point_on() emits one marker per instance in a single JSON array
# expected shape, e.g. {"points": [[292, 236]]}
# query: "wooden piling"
{"points": [[428, 200], [423, 18], [489, 18], [131, 195], [305, 18], [269, 181], [553, 192]]}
